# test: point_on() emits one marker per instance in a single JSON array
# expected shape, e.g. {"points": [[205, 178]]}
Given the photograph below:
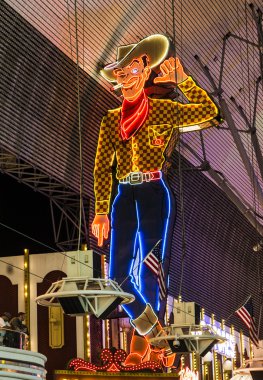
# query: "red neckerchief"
{"points": [[133, 115]]}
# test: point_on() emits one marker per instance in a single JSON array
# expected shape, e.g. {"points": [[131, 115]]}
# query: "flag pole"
{"points": [[243, 303], [260, 314]]}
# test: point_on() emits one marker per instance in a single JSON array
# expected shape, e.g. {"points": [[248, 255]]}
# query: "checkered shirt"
{"points": [[145, 150]]}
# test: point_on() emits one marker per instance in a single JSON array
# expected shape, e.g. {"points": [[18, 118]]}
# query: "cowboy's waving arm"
{"points": [[201, 112], [103, 183]]}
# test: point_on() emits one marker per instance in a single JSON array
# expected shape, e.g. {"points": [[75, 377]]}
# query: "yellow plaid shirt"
{"points": [[145, 150]]}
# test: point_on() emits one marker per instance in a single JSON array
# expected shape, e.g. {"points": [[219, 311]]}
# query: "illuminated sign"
{"points": [[187, 374], [112, 362], [226, 348], [133, 138]]}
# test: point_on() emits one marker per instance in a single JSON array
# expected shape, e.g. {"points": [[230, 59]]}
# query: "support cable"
{"points": [[165, 16], [81, 184], [180, 172], [253, 174]]}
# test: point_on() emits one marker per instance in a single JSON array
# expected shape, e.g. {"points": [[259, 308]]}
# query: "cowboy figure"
{"points": [[135, 136]]}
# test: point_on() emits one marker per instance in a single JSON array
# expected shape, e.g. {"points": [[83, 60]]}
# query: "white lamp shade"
{"points": [[208, 357], [228, 365]]}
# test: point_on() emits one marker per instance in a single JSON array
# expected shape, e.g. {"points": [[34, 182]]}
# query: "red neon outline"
{"points": [[136, 120], [112, 360]]}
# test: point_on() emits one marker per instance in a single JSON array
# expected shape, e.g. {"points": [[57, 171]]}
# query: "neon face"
{"points": [[132, 78]]}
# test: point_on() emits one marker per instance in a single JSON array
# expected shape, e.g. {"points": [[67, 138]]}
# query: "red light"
{"points": [[112, 362]]}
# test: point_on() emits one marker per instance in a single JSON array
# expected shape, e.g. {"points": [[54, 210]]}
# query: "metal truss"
{"points": [[250, 127], [230, 191], [65, 204]]}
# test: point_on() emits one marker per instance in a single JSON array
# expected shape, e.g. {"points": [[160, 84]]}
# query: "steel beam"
{"points": [[253, 132], [225, 40], [241, 149], [258, 21], [235, 134]]}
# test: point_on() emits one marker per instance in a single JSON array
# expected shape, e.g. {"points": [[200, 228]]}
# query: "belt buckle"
{"points": [[136, 178]]}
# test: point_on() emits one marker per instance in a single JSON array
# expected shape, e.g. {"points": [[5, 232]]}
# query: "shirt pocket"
{"points": [[159, 135]]}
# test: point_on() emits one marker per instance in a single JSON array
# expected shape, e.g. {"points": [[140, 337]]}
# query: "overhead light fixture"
{"points": [[259, 246]]}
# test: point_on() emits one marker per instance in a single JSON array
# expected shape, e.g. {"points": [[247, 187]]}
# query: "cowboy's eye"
{"points": [[134, 70]]}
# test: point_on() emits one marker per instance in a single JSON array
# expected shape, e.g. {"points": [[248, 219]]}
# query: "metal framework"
{"points": [[189, 338], [95, 294], [232, 193], [64, 203]]}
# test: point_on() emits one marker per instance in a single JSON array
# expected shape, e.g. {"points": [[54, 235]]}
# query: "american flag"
{"points": [[154, 263], [246, 314]]}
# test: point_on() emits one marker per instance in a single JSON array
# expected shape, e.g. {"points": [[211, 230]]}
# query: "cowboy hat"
{"points": [[155, 47]]}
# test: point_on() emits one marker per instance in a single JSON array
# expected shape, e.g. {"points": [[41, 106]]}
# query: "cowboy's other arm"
{"points": [[103, 182]]}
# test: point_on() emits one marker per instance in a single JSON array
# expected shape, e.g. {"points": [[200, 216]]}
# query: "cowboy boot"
{"points": [[139, 350], [147, 325], [161, 349], [156, 355]]}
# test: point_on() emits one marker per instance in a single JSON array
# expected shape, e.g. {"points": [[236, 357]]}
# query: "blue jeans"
{"points": [[141, 216]]}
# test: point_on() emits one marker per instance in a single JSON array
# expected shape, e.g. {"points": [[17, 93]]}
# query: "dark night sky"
{"points": [[27, 211]]}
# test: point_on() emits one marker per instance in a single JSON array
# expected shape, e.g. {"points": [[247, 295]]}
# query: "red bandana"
{"points": [[133, 115]]}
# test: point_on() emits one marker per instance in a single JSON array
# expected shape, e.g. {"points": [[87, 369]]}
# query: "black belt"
{"points": [[136, 178]]}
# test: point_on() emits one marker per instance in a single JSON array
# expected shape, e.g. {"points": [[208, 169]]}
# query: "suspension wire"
{"points": [[240, 50], [83, 34], [81, 184], [165, 16], [47, 280], [180, 172], [174, 31], [27, 236], [25, 270], [243, 81], [203, 145], [256, 207], [50, 283], [70, 36], [257, 211], [255, 203], [80, 147], [50, 248], [80, 140]]}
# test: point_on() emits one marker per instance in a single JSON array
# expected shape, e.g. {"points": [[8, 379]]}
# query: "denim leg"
{"points": [[154, 210], [124, 246], [140, 218]]}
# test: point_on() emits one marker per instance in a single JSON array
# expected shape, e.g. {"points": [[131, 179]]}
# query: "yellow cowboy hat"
{"points": [[156, 48]]}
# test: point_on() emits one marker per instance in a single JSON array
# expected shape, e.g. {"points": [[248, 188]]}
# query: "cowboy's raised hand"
{"points": [[171, 72]]}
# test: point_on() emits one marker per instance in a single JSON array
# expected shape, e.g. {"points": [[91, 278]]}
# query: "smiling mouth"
{"points": [[129, 84]]}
